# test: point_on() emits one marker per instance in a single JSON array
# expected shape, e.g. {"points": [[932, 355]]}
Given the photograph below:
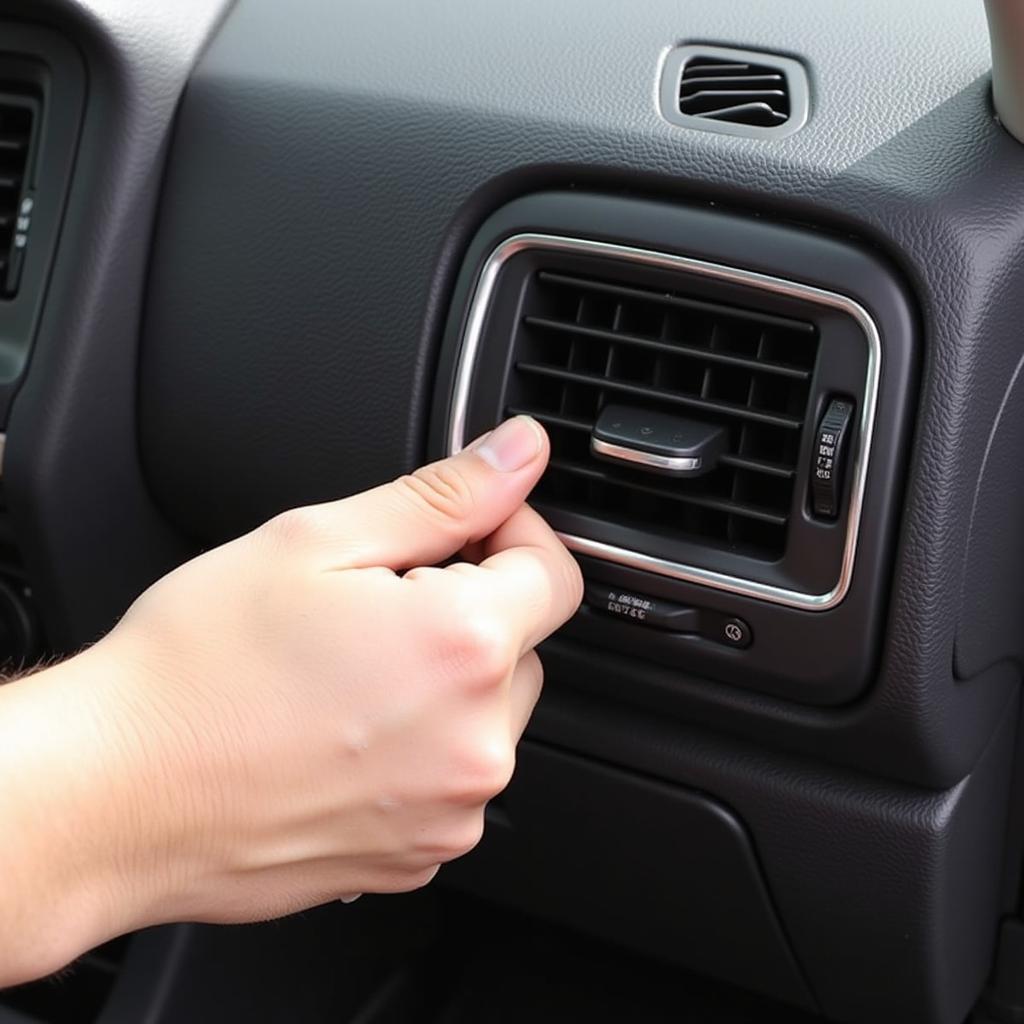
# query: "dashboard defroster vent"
{"points": [[584, 343], [734, 91]]}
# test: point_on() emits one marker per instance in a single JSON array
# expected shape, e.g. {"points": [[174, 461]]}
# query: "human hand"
{"points": [[314, 710]]}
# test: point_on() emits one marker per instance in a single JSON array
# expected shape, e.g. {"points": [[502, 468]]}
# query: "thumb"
{"points": [[426, 517]]}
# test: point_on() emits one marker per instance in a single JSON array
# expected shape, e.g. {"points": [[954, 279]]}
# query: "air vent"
{"points": [[738, 92], [584, 342], [686, 403], [18, 116], [734, 91]]}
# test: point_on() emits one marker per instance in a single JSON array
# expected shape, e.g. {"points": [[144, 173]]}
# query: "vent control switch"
{"points": [[657, 441], [641, 609], [831, 447], [653, 612]]}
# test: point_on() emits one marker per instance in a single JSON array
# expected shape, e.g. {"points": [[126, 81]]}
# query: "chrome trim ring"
{"points": [[680, 465], [470, 347]]}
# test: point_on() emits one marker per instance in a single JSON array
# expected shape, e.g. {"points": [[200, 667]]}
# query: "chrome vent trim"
{"points": [[738, 92], [470, 346]]}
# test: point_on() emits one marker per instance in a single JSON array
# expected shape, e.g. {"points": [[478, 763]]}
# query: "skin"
{"points": [[310, 712]]}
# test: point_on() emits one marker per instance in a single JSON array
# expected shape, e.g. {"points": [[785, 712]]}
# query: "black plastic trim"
{"points": [[823, 657]]}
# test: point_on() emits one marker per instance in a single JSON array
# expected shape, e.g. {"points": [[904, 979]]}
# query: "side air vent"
{"points": [[688, 409], [586, 341], [734, 91], [18, 118]]}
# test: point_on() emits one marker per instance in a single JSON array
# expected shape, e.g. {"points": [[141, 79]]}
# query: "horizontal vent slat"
{"points": [[678, 301], [734, 94], [696, 67], [552, 420], [758, 466], [700, 500], [670, 348], [698, 81], [746, 112], [656, 394]]}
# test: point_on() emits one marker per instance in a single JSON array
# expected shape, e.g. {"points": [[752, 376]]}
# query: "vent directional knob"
{"points": [[657, 441]]}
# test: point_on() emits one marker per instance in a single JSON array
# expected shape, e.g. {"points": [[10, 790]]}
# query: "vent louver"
{"points": [[738, 92], [17, 120], [583, 342]]}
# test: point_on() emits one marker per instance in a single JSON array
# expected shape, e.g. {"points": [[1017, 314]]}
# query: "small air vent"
{"points": [[584, 342], [734, 91], [739, 92], [18, 116]]}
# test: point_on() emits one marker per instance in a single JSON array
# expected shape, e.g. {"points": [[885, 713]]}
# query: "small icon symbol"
{"points": [[733, 632], [646, 431]]}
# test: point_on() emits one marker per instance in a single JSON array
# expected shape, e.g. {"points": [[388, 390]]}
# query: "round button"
{"points": [[736, 633]]}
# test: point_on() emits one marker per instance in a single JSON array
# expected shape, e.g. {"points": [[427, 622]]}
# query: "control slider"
{"points": [[655, 613]]}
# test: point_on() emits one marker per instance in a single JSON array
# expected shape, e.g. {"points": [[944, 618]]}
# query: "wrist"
{"points": [[77, 802]]}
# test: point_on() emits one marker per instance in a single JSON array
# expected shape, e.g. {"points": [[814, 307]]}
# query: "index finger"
{"points": [[531, 575]]}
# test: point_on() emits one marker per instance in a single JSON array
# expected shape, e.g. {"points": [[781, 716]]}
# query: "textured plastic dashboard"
{"points": [[355, 191], [329, 165]]}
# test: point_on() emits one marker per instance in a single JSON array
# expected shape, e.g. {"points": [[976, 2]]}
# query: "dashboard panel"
{"points": [[276, 223]]}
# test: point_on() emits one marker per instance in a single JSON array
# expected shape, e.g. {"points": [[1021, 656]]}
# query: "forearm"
{"points": [[65, 871]]}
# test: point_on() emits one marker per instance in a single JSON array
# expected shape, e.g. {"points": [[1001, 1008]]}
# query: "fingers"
{"points": [[428, 516], [529, 578], [524, 693]]}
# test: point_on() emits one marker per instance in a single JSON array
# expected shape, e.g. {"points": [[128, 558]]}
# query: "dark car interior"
{"points": [[759, 271]]}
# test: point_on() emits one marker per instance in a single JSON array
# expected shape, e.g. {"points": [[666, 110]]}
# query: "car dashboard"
{"points": [[278, 254]]}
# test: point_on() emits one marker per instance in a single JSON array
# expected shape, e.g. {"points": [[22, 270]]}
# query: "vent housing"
{"points": [[561, 328], [587, 341], [18, 119], [738, 92]]}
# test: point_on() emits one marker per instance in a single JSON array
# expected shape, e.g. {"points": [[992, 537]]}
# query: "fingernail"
{"points": [[511, 446]]}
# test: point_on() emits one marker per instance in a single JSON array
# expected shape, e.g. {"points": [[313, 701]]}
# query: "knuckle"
{"points": [[534, 668], [574, 579], [455, 839], [478, 647], [408, 880], [296, 526], [442, 489], [463, 839], [483, 772]]}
